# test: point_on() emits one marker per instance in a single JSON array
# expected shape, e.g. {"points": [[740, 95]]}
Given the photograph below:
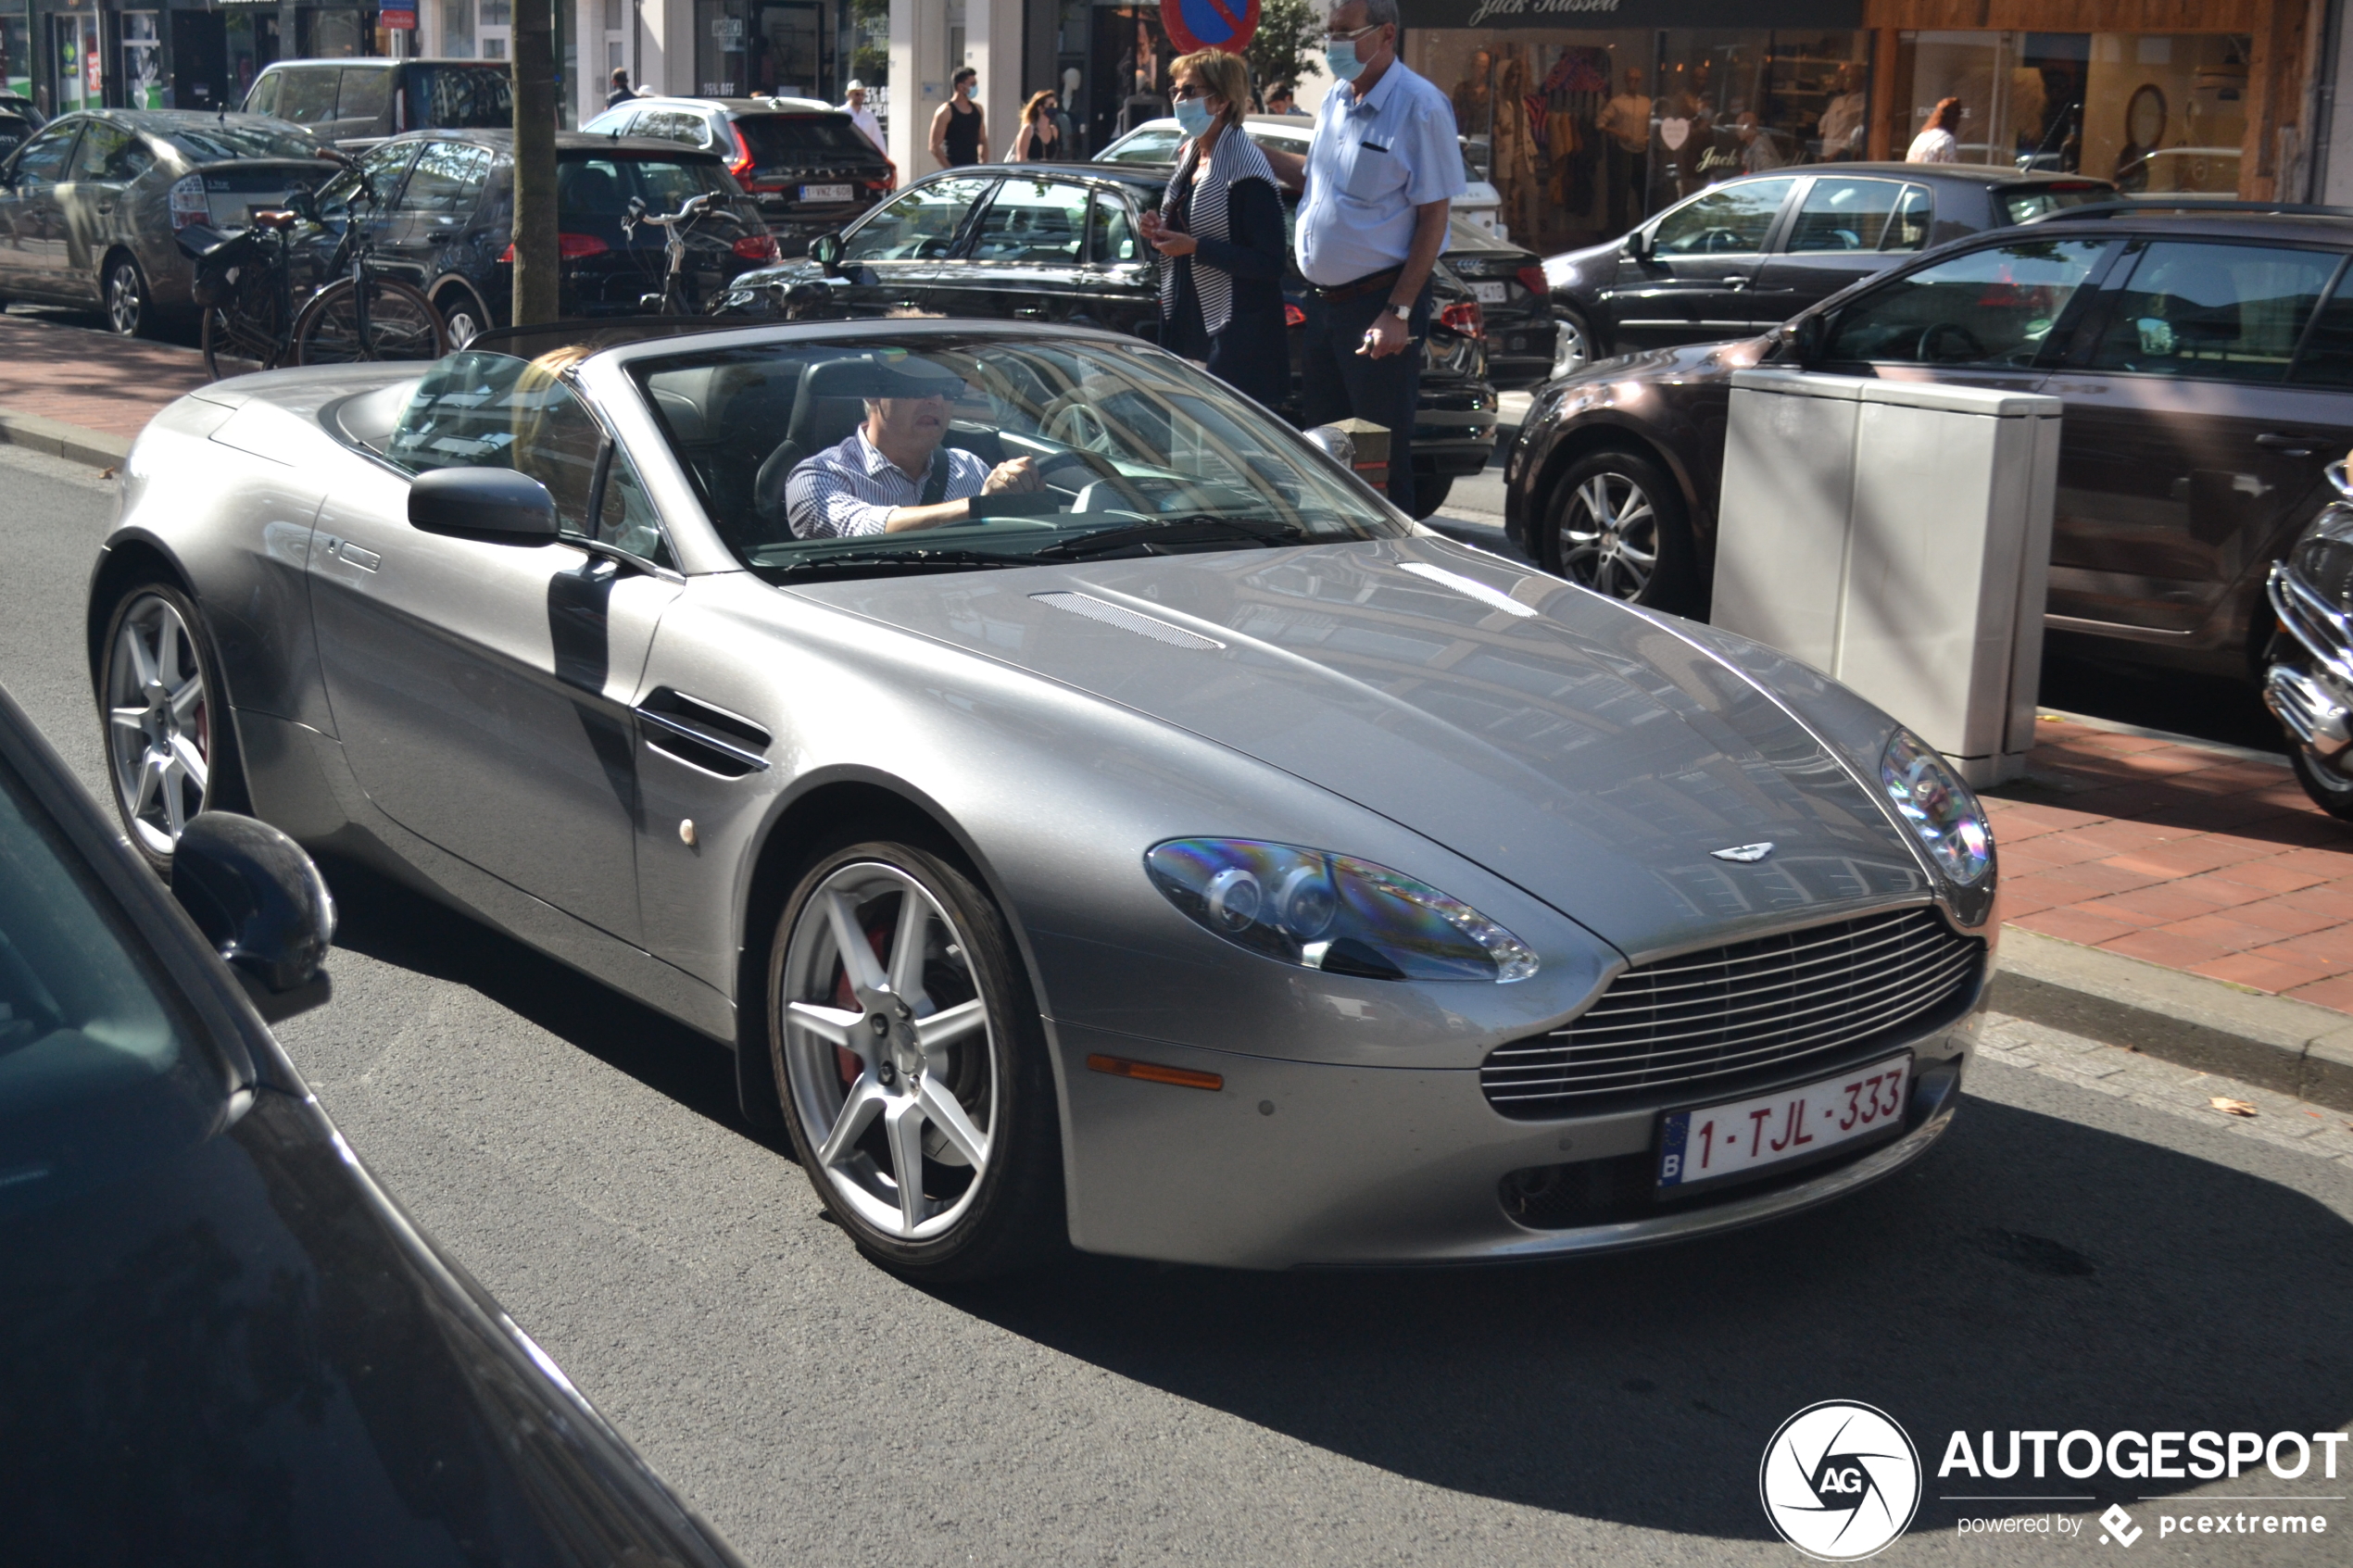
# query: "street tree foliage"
{"points": [[870, 56], [1288, 32]]}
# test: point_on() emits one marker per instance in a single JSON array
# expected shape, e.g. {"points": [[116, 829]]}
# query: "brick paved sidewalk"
{"points": [[92, 379], [2201, 859]]}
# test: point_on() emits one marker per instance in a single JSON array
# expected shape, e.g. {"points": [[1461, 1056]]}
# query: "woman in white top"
{"points": [[1935, 143]]}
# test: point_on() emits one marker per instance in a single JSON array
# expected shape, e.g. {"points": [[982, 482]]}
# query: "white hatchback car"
{"points": [[1155, 141]]}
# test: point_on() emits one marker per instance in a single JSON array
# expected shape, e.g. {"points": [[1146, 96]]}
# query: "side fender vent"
{"points": [[691, 731]]}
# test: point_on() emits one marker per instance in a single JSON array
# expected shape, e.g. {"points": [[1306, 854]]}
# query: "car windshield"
{"points": [[788, 138], [81, 1027], [1148, 146], [224, 140], [456, 98], [1088, 449], [2035, 200]]}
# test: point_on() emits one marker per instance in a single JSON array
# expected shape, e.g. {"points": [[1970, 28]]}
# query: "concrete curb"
{"points": [[94, 449], [2273, 1042]]}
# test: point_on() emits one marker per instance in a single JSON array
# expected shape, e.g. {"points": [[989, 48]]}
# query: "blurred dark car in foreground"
{"points": [[357, 102], [448, 222], [221, 1340], [1746, 255], [1061, 244], [806, 163], [90, 204], [2205, 360]]}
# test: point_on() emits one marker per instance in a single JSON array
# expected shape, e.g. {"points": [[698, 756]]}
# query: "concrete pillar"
{"points": [[920, 68]]}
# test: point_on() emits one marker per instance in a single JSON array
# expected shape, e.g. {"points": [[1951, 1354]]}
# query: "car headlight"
{"points": [[1559, 272], [1327, 912], [1938, 806]]}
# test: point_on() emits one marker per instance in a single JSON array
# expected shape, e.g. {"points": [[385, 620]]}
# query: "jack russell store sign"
{"points": [[1589, 115]]}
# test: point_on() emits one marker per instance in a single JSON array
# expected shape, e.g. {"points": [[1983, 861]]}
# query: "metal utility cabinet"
{"points": [[1896, 535]]}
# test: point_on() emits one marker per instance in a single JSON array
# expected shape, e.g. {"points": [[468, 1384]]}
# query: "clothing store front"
{"points": [[1585, 130], [787, 48]]}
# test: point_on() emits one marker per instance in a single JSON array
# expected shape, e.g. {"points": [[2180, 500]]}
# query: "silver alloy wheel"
{"points": [[462, 324], [126, 296], [1571, 351], [1609, 536], [159, 722], [889, 1055]]}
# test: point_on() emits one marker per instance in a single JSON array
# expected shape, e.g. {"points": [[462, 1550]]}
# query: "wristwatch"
{"points": [[1402, 312]]}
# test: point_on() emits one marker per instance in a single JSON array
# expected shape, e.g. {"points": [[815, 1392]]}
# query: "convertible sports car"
{"points": [[1185, 856]]}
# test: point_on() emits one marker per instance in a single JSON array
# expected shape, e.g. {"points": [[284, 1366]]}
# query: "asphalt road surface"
{"points": [[2078, 1253]]}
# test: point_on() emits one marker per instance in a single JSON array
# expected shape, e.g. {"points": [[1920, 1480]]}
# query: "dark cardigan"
{"points": [[1253, 354]]}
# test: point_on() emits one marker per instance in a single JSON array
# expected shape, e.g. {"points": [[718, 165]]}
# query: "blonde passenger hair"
{"points": [[1222, 74]]}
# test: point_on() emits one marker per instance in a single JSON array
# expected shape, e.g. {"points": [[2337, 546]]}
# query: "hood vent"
{"points": [[1470, 588], [1128, 621]]}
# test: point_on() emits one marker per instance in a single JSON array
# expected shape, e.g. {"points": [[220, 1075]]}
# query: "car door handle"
{"points": [[1030, 312], [352, 555], [2286, 446], [1736, 283]]}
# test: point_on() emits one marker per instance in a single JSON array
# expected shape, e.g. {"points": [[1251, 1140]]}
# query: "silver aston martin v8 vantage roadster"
{"points": [[1166, 848]]}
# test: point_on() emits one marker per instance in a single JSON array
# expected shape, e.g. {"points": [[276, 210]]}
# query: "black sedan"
{"points": [[1514, 302], [1746, 255], [447, 222], [1063, 244], [220, 1341], [2205, 361]]}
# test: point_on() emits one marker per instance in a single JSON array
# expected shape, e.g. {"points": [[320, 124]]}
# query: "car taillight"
{"points": [[1463, 317], [188, 202], [757, 248], [571, 248], [1533, 279], [741, 166], [1293, 316]]}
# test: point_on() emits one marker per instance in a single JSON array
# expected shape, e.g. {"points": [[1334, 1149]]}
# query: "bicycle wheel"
{"points": [[249, 332], [402, 324]]}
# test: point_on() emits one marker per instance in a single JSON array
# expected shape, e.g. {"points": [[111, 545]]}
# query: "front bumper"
{"points": [[1294, 1164]]}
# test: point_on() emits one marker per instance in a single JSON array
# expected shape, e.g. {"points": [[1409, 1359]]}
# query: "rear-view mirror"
{"points": [[825, 251], [494, 504], [262, 905]]}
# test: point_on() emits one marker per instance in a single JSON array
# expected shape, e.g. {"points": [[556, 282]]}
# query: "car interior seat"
{"points": [[826, 408]]}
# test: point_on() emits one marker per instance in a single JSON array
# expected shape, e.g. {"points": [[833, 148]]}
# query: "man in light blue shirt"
{"points": [[1380, 174]]}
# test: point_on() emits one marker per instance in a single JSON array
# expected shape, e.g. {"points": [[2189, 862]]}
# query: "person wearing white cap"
{"points": [[853, 104]]}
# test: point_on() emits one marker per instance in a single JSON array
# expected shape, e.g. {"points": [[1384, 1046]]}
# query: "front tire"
{"points": [[1431, 491], [912, 1065], [1572, 345], [402, 324], [1618, 526], [169, 748], [462, 317], [2330, 790]]}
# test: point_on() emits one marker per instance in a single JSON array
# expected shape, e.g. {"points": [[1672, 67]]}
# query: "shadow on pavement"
{"points": [[2031, 1274]]}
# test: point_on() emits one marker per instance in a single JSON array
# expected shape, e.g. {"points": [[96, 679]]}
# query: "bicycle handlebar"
{"points": [[693, 207]]}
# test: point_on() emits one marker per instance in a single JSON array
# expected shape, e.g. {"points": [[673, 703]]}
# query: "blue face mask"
{"points": [[1194, 116], [1341, 58]]}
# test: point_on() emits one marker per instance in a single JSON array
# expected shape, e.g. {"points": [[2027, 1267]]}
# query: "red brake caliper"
{"points": [[846, 1062]]}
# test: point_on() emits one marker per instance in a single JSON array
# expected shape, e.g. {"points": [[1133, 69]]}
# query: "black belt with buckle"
{"points": [[1340, 294]]}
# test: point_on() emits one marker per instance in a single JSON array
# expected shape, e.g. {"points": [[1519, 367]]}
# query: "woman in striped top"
{"points": [[1220, 228]]}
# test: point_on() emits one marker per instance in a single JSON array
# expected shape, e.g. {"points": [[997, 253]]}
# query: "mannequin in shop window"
{"points": [[1512, 147], [1473, 94], [1626, 122], [1846, 118]]}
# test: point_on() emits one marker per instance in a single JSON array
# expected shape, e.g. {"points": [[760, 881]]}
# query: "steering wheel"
{"points": [[1072, 419], [1715, 242], [1930, 349]]}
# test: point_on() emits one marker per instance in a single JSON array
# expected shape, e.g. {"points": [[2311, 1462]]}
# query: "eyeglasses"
{"points": [[1332, 38], [1190, 91]]}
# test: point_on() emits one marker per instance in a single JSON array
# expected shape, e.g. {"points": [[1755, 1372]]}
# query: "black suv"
{"points": [[807, 163], [448, 220], [1061, 244], [1750, 253], [356, 103], [2205, 359]]}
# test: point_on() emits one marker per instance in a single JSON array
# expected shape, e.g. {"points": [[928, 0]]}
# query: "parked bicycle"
{"points": [[675, 298], [252, 310]]}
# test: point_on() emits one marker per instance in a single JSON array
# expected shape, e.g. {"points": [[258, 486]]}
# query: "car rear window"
{"points": [[599, 184], [1155, 146], [454, 97], [2032, 201], [788, 138], [222, 141], [306, 93]]}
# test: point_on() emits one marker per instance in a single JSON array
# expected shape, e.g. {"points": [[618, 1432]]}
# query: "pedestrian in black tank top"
{"points": [[960, 132]]}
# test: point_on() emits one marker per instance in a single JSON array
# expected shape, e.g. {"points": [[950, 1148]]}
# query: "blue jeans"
{"points": [[1338, 382]]}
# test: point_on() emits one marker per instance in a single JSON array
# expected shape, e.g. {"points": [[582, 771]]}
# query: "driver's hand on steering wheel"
{"points": [[1018, 477]]}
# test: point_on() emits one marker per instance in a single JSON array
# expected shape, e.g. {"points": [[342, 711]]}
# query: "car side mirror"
{"points": [[498, 505], [1335, 444], [1803, 340], [262, 905], [825, 251], [1638, 244]]}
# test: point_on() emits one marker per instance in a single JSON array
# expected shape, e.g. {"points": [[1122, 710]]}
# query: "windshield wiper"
{"points": [[1198, 528], [837, 566]]}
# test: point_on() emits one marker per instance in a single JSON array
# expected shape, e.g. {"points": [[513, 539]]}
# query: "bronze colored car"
{"points": [[2206, 364]]}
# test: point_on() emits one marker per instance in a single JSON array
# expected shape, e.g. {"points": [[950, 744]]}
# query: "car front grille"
{"points": [[1712, 1018]]}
